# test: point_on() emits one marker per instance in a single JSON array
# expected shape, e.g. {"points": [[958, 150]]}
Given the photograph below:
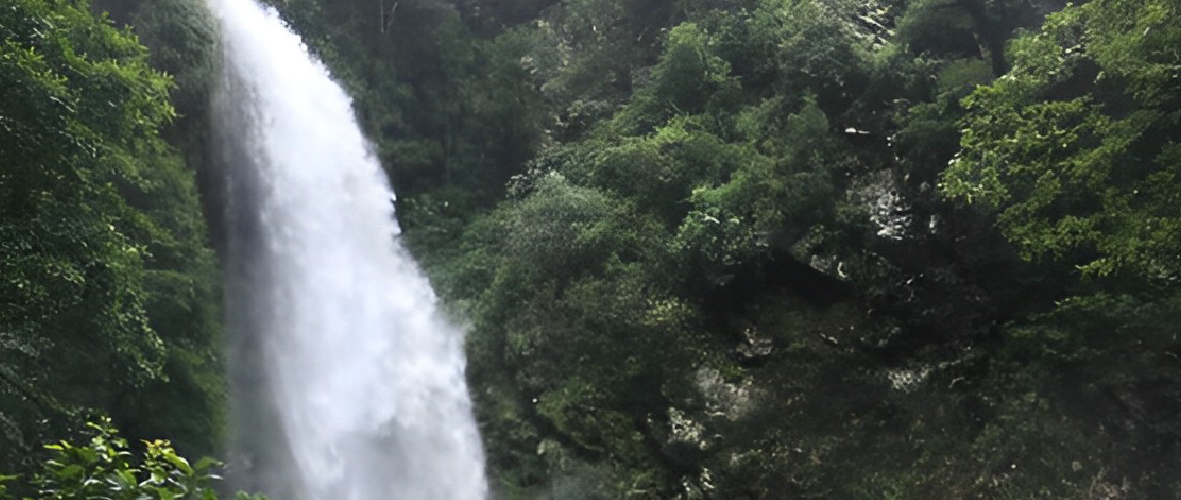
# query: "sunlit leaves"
{"points": [[769, 199], [90, 199], [683, 82], [107, 467], [1073, 147]]}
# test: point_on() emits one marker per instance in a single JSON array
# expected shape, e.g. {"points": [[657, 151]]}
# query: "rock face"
{"points": [[725, 399]]}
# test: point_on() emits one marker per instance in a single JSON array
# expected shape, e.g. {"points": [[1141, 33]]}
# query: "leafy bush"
{"points": [[106, 467]]}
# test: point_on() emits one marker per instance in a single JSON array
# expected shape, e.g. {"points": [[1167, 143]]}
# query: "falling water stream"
{"points": [[348, 384]]}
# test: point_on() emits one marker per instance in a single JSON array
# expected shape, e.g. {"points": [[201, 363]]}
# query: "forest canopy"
{"points": [[108, 286], [732, 249]]}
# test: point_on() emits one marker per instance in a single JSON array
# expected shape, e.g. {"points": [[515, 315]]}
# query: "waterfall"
{"points": [[348, 384]]}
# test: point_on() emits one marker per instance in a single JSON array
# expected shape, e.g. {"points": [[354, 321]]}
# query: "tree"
{"points": [[1076, 148], [723, 268], [684, 81], [106, 278]]}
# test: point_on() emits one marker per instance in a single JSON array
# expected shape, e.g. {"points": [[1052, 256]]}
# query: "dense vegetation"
{"points": [[106, 466], [108, 286], [793, 248], [705, 249]]}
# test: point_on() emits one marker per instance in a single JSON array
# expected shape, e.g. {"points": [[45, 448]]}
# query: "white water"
{"points": [[349, 384]]}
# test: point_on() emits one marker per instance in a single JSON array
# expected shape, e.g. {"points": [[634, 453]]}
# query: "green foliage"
{"points": [[757, 152], [702, 252], [1086, 363], [107, 281], [107, 467], [183, 38], [698, 243], [561, 228], [684, 81], [1073, 146], [814, 52], [929, 26], [71, 277], [768, 200]]}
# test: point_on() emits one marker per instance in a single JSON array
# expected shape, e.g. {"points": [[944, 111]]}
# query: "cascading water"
{"points": [[348, 383]]}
